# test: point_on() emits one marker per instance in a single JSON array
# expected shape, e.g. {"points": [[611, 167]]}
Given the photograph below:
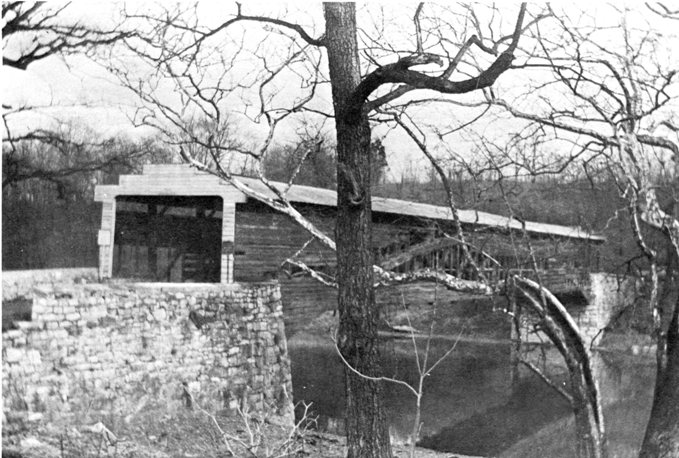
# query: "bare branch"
{"points": [[386, 278], [400, 72], [239, 17], [313, 273], [418, 28], [49, 36], [536, 370]]}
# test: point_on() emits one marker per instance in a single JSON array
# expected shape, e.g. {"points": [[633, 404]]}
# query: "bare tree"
{"points": [[424, 369], [68, 155], [311, 161], [552, 317], [613, 92], [209, 66], [33, 32]]}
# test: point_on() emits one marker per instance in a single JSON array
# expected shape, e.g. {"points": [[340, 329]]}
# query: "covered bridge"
{"points": [[173, 223]]}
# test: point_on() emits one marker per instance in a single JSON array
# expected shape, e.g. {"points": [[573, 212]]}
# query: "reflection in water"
{"points": [[470, 405]]}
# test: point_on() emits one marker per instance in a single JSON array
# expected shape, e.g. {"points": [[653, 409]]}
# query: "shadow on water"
{"points": [[530, 407], [318, 378], [470, 405], [625, 424], [473, 379]]}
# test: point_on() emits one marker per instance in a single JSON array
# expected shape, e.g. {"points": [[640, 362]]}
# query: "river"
{"points": [[472, 405]]}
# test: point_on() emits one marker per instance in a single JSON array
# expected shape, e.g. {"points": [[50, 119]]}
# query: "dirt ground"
{"points": [[187, 434]]}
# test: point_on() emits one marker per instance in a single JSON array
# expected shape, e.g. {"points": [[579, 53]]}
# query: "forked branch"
{"points": [[401, 72]]}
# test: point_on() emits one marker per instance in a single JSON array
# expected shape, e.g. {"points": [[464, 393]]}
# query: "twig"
{"points": [[536, 370]]}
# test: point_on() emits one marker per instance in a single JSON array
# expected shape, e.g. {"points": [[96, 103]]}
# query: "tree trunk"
{"points": [[588, 426], [662, 432], [585, 401], [586, 404], [367, 431]]}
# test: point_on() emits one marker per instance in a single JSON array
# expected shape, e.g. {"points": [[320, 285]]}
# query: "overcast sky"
{"points": [[96, 99]]}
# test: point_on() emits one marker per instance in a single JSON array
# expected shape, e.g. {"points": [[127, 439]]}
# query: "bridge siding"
{"points": [[603, 297], [264, 239], [305, 300]]}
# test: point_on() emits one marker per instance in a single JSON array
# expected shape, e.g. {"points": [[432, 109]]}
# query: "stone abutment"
{"points": [[116, 345]]}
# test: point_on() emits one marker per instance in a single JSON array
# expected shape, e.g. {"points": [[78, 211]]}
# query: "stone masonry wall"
{"points": [[606, 296], [603, 297], [17, 283], [114, 346]]}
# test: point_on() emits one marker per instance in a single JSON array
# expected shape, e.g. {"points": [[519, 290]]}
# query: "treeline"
{"points": [[49, 218], [592, 203]]}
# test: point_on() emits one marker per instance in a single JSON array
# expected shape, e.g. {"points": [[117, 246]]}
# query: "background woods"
{"points": [[541, 115]]}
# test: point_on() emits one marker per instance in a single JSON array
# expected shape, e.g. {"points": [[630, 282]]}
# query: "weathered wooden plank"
{"points": [[134, 181], [228, 235], [284, 235], [304, 299], [105, 192], [159, 168], [228, 194], [172, 179], [276, 254], [108, 217], [228, 221]]}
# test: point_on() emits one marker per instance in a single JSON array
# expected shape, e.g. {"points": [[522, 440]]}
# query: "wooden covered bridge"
{"points": [[173, 223]]}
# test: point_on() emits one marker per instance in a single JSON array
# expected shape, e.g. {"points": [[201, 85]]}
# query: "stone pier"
{"points": [[115, 344]]}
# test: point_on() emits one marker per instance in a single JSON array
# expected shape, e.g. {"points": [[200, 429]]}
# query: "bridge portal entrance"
{"points": [[168, 238]]}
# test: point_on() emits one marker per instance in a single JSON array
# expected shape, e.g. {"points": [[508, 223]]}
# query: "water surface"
{"points": [[471, 403]]}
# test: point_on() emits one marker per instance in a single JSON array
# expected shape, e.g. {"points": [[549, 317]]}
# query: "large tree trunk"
{"points": [[367, 431], [662, 432]]}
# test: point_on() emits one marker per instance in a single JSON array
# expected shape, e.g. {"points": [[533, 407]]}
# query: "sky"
{"points": [[77, 89]]}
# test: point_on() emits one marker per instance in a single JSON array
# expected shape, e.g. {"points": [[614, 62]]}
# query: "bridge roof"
{"points": [[180, 179], [327, 197]]}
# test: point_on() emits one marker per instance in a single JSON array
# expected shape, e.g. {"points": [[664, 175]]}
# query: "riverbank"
{"points": [[186, 434], [191, 433]]}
